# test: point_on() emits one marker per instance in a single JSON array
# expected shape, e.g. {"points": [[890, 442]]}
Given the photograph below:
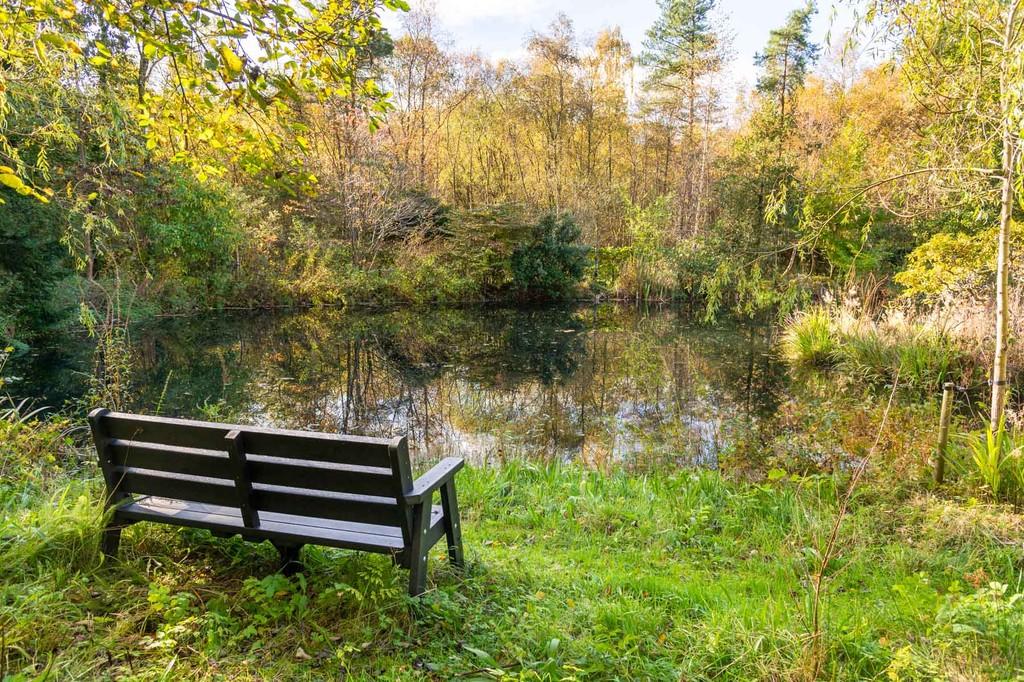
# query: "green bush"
{"points": [[190, 234], [551, 263]]}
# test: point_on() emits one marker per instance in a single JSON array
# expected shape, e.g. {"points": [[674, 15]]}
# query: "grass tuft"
{"points": [[810, 338]]}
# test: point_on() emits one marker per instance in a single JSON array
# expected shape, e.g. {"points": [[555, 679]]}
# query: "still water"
{"points": [[605, 385]]}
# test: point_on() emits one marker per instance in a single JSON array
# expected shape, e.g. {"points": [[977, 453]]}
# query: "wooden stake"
{"points": [[944, 417]]}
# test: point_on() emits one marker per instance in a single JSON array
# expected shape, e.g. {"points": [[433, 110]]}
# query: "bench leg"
{"points": [[452, 525], [417, 554], [110, 540], [290, 563]]}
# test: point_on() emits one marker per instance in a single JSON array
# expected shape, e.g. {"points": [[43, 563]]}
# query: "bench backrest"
{"points": [[327, 476]]}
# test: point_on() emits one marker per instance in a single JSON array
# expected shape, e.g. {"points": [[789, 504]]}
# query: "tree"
{"points": [[964, 59], [550, 262], [759, 188], [786, 58], [420, 75], [226, 77], [552, 100], [682, 49]]}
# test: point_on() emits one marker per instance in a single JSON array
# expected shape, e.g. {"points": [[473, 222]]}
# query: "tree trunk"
{"points": [[1002, 283], [1005, 216]]}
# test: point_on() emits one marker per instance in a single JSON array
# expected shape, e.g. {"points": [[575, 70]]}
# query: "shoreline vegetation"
{"points": [[610, 570]]}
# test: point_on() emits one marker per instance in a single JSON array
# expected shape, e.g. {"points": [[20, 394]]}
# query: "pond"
{"points": [[604, 384]]}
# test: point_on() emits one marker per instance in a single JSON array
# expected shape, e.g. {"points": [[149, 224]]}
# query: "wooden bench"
{"points": [[289, 487]]}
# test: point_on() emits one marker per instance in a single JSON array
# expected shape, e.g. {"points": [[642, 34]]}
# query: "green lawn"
{"points": [[572, 574]]}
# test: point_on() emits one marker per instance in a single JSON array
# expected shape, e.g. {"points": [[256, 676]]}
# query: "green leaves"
{"points": [[306, 53]]}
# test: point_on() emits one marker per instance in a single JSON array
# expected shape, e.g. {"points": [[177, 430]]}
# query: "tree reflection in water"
{"points": [[608, 385]]}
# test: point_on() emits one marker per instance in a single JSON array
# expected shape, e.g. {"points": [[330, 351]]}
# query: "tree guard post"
{"points": [[944, 417]]}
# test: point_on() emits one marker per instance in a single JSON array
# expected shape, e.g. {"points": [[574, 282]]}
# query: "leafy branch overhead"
{"points": [[209, 84]]}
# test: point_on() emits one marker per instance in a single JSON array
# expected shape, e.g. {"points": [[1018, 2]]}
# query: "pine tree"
{"points": [[787, 57], [682, 49]]}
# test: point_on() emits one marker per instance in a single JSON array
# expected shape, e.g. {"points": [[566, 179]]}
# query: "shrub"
{"points": [[550, 264]]}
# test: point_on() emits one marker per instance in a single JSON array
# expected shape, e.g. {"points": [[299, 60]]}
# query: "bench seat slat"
{"points": [[275, 526], [362, 480], [286, 500]]}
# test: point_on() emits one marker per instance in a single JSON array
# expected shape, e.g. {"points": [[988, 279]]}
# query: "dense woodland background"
{"points": [[172, 158]]}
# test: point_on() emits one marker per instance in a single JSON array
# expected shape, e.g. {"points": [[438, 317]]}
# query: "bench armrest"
{"points": [[441, 473]]}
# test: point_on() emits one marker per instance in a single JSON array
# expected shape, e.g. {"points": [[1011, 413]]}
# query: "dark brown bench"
{"points": [[289, 487]]}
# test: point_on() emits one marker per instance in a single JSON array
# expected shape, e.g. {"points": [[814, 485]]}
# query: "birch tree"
{"points": [[964, 59]]}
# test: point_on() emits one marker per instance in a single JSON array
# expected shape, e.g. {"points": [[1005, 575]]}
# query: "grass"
{"points": [[873, 352], [573, 574], [810, 339], [995, 461]]}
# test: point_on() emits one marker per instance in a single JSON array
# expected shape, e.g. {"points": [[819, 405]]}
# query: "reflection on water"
{"points": [[606, 384]]}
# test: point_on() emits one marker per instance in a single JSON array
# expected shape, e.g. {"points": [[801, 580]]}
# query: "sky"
{"points": [[498, 28]]}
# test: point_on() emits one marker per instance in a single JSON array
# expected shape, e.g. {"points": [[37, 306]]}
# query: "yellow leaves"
{"points": [[206, 171], [14, 182], [10, 180], [231, 61]]}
